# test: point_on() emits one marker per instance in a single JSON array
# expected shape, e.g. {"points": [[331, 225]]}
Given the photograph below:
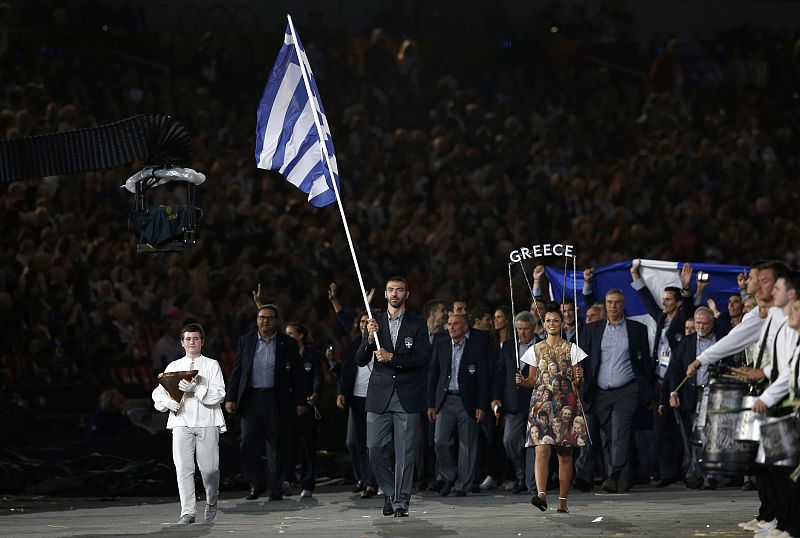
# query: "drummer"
{"points": [[786, 493], [196, 423]]}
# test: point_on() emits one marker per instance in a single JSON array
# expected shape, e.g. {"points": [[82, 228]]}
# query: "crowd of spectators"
{"points": [[449, 159]]}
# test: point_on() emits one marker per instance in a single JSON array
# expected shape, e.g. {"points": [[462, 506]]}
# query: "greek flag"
{"points": [[287, 138], [656, 274]]}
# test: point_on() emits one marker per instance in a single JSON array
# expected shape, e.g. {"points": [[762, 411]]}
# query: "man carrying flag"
{"points": [[293, 135]]}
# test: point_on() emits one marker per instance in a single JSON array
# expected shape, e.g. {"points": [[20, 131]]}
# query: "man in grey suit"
{"points": [[396, 394], [458, 390], [619, 375]]}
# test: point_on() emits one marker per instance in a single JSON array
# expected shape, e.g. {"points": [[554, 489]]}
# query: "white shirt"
{"points": [[740, 337], [202, 408], [787, 351], [576, 356], [362, 380], [773, 323]]}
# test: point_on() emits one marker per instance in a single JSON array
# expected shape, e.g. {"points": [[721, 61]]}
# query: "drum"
{"points": [[171, 380], [747, 427], [780, 439], [700, 411], [722, 453]]}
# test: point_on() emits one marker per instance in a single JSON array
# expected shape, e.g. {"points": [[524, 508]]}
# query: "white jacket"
{"points": [[202, 408]]}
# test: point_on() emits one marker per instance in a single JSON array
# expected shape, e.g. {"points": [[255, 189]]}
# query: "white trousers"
{"points": [[203, 444]]}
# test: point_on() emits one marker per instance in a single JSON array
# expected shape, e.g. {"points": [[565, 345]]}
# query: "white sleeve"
{"points": [[529, 357], [214, 392], [576, 354], [160, 395], [740, 337], [778, 390]]}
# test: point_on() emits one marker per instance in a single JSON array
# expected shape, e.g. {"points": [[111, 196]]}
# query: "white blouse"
{"points": [[575, 352], [202, 408]]}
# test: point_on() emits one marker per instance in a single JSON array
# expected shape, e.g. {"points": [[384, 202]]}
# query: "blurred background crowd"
{"points": [[451, 153]]}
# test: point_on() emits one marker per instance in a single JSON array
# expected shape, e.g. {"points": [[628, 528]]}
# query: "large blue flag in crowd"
{"points": [[656, 275], [287, 138]]}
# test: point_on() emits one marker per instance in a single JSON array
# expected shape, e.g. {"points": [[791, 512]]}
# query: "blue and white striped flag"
{"points": [[287, 139], [656, 274]]}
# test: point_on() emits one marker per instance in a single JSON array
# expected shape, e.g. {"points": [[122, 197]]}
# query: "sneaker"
{"points": [[751, 525], [509, 485], [768, 525], [488, 484], [775, 533], [305, 494], [210, 513], [186, 519]]}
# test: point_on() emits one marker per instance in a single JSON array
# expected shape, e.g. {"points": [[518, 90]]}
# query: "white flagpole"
{"points": [[513, 315], [577, 332], [324, 151]]}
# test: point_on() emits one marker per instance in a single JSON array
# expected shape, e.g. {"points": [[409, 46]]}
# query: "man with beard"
{"points": [[396, 394]]}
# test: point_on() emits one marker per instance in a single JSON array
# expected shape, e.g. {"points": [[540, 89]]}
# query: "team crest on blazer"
{"points": [[408, 342]]}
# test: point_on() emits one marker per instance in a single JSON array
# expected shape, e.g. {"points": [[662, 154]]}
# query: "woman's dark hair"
{"points": [[355, 330], [303, 330], [553, 308]]}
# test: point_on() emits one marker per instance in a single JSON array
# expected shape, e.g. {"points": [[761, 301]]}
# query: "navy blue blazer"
{"points": [[683, 355], [676, 327], [514, 398], [347, 379], [311, 378], [288, 389], [406, 373], [473, 379], [638, 350]]}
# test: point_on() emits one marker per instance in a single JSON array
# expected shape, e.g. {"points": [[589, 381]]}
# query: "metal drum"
{"points": [[722, 454], [747, 428], [700, 411], [780, 439]]}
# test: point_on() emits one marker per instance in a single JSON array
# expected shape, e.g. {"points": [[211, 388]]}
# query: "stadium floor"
{"points": [[646, 511]]}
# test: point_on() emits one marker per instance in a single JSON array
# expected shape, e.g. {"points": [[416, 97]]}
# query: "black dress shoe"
{"points": [[401, 512], [254, 494], [436, 486], [664, 482], [582, 484], [519, 487], [710, 484], [446, 489], [610, 485], [387, 506], [459, 493], [693, 481], [276, 497]]}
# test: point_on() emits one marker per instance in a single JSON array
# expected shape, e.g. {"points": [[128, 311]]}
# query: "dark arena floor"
{"points": [[645, 511]]}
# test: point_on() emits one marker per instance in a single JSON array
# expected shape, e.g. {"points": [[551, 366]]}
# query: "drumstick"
{"points": [[685, 379]]}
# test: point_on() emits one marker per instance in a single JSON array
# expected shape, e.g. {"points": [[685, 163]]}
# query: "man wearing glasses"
{"points": [[263, 387]]}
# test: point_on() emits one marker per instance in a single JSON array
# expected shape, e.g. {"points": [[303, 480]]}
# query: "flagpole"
{"points": [[324, 151], [513, 315]]}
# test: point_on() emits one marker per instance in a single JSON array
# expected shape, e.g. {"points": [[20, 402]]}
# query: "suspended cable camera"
{"points": [[162, 143], [164, 228]]}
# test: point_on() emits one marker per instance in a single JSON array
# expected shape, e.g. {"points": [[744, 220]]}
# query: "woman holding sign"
{"points": [[553, 350]]}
